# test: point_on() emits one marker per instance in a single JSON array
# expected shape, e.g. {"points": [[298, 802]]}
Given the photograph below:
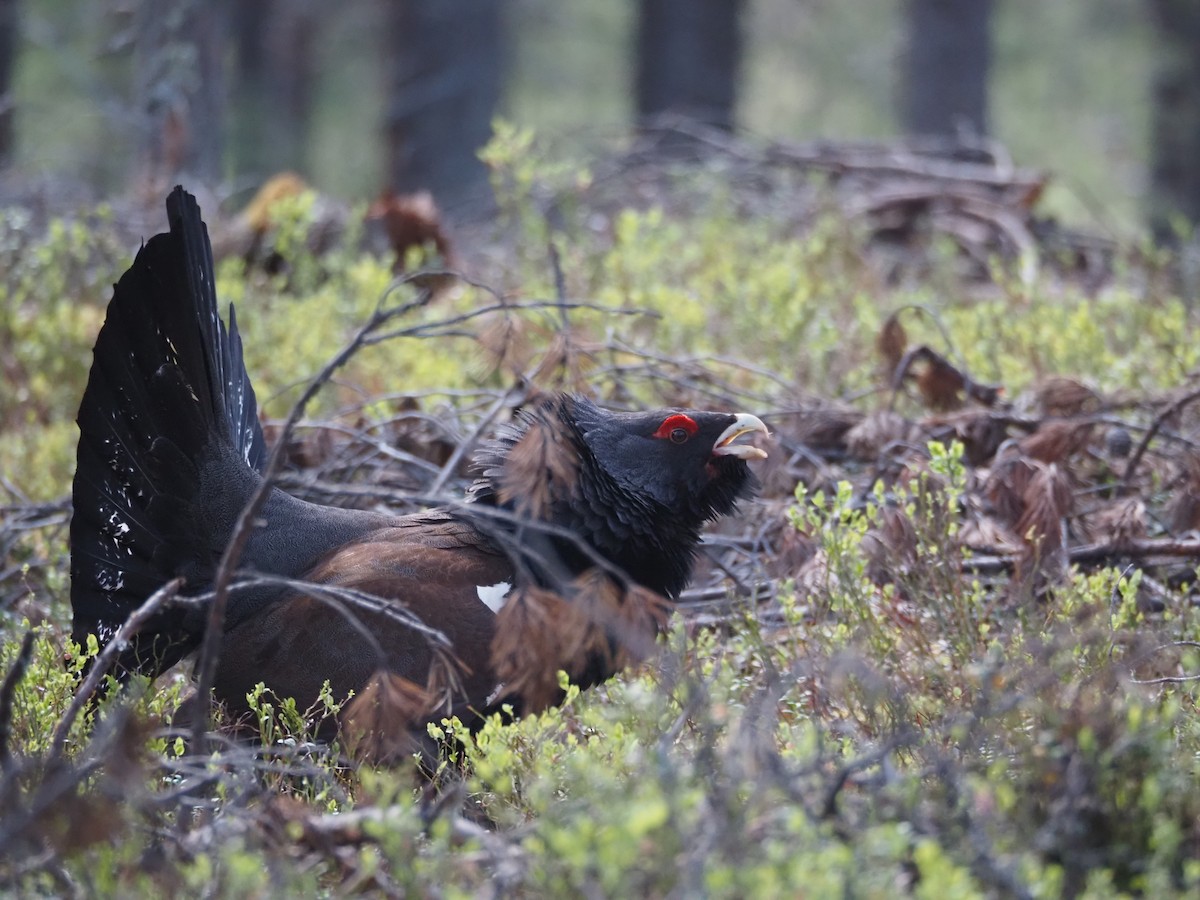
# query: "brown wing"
{"points": [[429, 566]]}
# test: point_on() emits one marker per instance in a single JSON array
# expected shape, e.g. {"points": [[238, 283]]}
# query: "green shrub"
{"points": [[885, 725]]}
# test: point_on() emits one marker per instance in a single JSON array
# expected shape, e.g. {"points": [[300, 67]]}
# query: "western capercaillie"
{"points": [[579, 531]]}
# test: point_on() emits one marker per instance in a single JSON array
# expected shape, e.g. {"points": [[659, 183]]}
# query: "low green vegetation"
{"points": [[858, 725]]}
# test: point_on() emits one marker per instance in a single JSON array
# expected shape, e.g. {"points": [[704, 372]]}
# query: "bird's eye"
{"points": [[677, 428]]}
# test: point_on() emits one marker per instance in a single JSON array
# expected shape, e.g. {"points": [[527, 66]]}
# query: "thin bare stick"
{"points": [[1158, 423], [1139, 549], [108, 656], [11, 680], [206, 664], [468, 444], [1164, 679]]}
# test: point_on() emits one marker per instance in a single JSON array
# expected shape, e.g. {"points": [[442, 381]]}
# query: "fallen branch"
{"points": [[995, 563]]}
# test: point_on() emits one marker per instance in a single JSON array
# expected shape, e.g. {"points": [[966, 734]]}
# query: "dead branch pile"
{"points": [[1061, 476], [910, 197]]}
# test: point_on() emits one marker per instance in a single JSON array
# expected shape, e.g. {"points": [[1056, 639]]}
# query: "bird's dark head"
{"points": [[637, 487], [689, 464]]}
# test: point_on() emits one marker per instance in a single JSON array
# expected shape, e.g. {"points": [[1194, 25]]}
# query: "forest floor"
{"points": [[950, 650]]}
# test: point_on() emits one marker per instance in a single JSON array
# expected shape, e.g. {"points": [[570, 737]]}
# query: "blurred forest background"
{"points": [[366, 94]]}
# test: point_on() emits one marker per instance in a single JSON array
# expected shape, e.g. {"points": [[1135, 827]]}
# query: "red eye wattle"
{"points": [[677, 428]]}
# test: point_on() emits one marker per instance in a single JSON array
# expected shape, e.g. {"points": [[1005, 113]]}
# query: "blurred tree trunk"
{"points": [[1175, 126], [274, 80], [445, 66], [689, 53], [9, 42], [179, 81], [946, 67]]}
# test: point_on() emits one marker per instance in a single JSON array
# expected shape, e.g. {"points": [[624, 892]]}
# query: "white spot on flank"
{"points": [[494, 695], [494, 596]]}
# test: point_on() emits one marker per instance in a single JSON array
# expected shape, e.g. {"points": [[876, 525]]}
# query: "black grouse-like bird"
{"points": [[578, 532]]}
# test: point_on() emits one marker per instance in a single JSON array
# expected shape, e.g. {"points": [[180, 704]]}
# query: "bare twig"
{"points": [[1163, 679], [7, 690], [468, 444], [104, 661], [1143, 549], [1172, 410], [206, 664]]}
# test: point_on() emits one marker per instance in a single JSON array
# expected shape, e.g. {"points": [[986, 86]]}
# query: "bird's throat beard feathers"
{"points": [[541, 469]]}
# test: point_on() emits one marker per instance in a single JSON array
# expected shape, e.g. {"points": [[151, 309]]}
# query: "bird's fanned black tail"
{"points": [[168, 413]]}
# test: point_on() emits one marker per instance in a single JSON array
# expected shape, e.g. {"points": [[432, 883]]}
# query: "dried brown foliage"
{"points": [[1046, 502], [545, 459], [411, 220], [596, 625], [377, 723], [249, 234], [537, 631], [1056, 441], [891, 343], [1183, 510], [1062, 396], [941, 385], [979, 431], [878, 432], [1083, 480]]}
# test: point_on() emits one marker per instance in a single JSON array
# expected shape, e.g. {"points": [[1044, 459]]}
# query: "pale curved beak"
{"points": [[736, 439]]}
